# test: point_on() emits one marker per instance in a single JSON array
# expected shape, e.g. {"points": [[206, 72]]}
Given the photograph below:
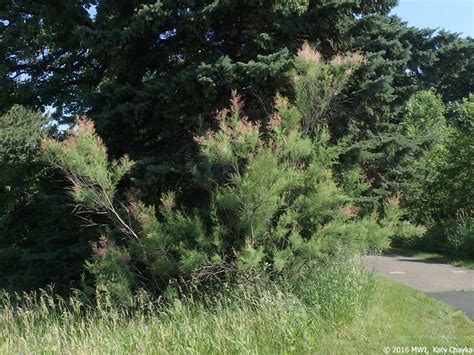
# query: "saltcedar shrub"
{"points": [[274, 204]]}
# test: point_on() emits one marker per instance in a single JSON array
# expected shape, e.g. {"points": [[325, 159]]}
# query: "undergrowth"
{"points": [[259, 316]]}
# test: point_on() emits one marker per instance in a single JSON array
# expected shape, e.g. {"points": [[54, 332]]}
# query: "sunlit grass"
{"points": [[263, 320]]}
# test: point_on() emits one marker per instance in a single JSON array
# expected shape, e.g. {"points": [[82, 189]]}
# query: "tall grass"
{"points": [[258, 320], [329, 317], [262, 317]]}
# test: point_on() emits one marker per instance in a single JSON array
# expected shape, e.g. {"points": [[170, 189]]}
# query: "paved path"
{"points": [[447, 283]]}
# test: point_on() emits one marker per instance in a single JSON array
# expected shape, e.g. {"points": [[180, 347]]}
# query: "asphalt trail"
{"points": [[446, 283]]}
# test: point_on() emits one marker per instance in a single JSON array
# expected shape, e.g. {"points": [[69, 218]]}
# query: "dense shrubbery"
{"points": [[273, 204], [441, 197], [152, 76], [183, 213]]}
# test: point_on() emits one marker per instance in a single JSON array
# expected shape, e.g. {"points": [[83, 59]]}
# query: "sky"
{"points": [[452, 15]]}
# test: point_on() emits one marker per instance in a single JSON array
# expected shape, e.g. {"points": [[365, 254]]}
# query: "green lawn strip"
{"points": [[402, 317], [432, 256]]}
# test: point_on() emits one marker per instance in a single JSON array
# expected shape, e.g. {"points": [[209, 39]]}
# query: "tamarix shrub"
{"points": [[273, 205]]}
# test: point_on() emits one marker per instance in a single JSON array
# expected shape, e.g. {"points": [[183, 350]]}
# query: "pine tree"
{"points": [[40, 242], [152, 74]]}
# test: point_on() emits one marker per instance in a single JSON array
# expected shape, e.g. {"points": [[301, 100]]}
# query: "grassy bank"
{"points": [[400, 316], [272, 322]]}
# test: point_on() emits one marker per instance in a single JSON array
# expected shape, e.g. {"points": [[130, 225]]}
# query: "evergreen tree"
{"points": [[401, 60], [448, 67], [40, 243], [150, 74]]}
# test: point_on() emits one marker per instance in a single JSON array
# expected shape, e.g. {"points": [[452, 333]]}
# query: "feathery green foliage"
{"points": [[274, 205]]}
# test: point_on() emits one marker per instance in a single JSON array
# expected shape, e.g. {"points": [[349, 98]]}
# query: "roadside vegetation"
{"points": [[252, 318], [203, 181], [272, 204]]}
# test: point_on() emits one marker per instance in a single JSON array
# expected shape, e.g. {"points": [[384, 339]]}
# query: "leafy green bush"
{"points": [[443, 198], [449, 189], [425, 116], [460, 236], [452, 236], [426, 128]]}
